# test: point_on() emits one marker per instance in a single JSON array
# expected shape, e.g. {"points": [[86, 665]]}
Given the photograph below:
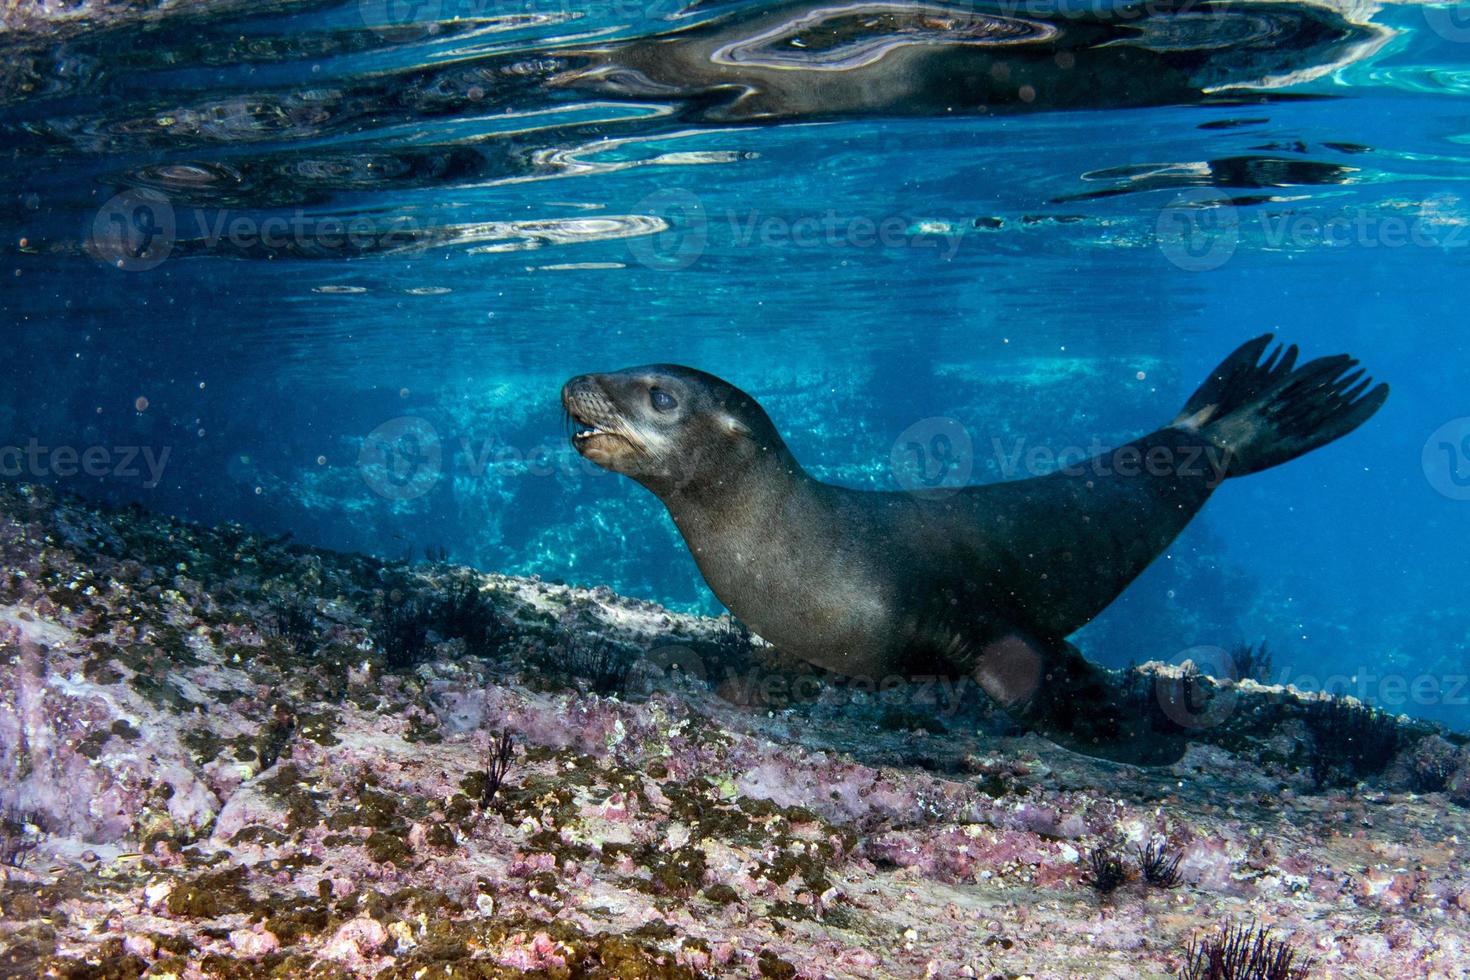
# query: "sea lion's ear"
{"points": [[734, 426]]}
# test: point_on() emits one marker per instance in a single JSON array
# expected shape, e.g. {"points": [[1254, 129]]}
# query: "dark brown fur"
{"points": [[986, 582]]}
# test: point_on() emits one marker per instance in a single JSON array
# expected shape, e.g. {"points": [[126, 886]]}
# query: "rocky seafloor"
{"points": [[224, 755]]}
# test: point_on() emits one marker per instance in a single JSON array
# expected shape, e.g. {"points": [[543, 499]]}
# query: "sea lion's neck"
{"points": [[741, 498], [732, 525]]}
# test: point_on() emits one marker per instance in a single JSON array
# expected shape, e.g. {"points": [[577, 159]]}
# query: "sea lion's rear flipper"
{"points": [[1051, 688], [1265, 413]]}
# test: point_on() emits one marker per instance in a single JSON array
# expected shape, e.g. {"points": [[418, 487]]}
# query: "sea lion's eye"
{"points": [[662, 400]]}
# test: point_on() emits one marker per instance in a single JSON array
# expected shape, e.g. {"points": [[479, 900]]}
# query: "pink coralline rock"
{"points": [[537, 952], [960, 854], [192, 805], [859, 959], [418, 836], [618, 808], [250, 805], [587, 725], [1209, 865], [532, 863], [70, 751], [720, 837], [355, 941], [1040, 820], [253, 944], [1364, 949], [696, 960], [1071, 826], [1325, 888], [142, 947]]}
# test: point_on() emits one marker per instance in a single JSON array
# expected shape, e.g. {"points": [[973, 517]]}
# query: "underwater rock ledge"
{"points": [[224, 755]]}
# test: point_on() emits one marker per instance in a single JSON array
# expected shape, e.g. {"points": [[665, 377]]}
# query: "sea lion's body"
{"points": [[900, 583], [987, 581]]}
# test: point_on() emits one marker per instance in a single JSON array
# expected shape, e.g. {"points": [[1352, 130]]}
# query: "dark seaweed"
{"points": [[400, 631], [466, 613], [1144, 695], [1160, 865], [1350, 742], [1243, 953], [1252, 662], [291, 622], [732, 641], [1105, 871], [275, 736], [498, 760], [581, 652], [603, 664]]}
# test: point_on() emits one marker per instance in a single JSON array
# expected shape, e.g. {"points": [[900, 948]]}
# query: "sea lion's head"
{"points": [[667, 426]]}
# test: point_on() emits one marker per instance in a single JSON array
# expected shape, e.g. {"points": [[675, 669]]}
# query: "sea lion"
{"points": [[985, 582]]}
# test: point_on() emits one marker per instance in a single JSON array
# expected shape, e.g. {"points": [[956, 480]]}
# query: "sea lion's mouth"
{"points": [[585, 430], [602, 444], [596, 428]]}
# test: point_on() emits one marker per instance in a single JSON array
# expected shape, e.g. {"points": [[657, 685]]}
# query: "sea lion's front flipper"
{"points": [[1050, 687]]}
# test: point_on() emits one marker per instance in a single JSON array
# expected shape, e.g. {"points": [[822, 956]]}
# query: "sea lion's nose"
{"points": [[585, 394], [581, 382]]}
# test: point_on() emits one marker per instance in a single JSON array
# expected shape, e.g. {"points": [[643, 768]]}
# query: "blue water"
{"points": [[321, 270]]}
